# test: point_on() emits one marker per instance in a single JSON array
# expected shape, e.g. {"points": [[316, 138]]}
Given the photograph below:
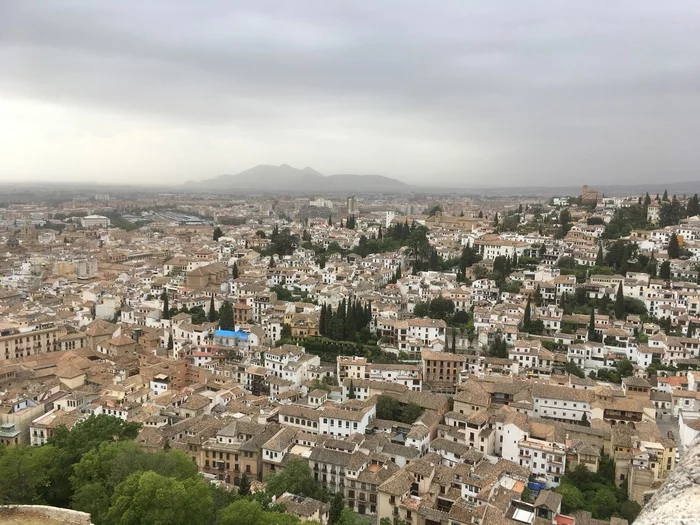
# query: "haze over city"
{"points": [[451, 93]]}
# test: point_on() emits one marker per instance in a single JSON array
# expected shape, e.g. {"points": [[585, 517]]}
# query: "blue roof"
{"points": [[231, 333]]}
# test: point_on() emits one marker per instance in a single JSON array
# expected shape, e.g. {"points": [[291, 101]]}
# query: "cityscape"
{"points": [[412, 359], [349, 263]]}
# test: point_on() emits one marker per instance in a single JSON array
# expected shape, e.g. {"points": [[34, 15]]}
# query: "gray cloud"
{"points": [[514, 91]]}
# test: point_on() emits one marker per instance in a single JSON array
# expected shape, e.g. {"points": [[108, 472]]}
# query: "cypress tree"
{"points": [[226, 316], [166, 308], [665, 197], [171, 344], [599, 257], [359, 316], [620, 312], [212, 311], [667, 325], [322, 321], [234, 271], [328, 321], [651, 266], [527, 316], [591, 326], [673, 247], [349, 328]]}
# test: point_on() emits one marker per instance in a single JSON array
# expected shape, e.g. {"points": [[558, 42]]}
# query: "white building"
{"points": [[94, 221], [565, 404], [345, 421]]}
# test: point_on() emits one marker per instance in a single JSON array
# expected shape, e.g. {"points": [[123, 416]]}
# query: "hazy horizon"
{"points": [[453, 94]]}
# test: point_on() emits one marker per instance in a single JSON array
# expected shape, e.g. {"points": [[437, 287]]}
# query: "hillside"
{"points": [[286, 178]]}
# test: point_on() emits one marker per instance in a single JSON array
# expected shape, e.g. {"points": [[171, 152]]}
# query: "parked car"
{"points": [[670, 434], [678, 456]]}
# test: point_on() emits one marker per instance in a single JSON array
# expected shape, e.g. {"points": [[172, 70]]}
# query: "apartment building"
{"points": [[562, 403], [29, 339], [441, 370], [351, 417], [237, 448]]}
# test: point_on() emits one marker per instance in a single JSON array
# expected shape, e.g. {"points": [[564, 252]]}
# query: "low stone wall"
{"points": [[42, 514], [677, 502]]}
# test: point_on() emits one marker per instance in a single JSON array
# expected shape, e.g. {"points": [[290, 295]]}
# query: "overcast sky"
{"points": [[468, 93]]}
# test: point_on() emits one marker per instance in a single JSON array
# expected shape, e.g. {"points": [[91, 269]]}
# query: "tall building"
{"points": [[353, 207]]}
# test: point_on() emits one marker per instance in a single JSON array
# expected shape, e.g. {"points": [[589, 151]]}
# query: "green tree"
{"points": [[410, 413], [101, 470], [665, 270], [286, 331], [25, 472], [604, 503], [673, 247], [241, 512], [651, 266], [234, 271], [213, 315], [226, 316], [217, 233], [147, 497], [348, 517], [441, 308], [620, 308], [592, 336], [599, 256], [527, 316], [571, 498], [166, 309], [244, 486], [435, 210], [571, 368], [624, 367], [670, 213], [336, 509], [297, 479], [422, 309], [564, 223], [629, 510], [171, 343], [351, 391], [89, 434], [388, 408]]}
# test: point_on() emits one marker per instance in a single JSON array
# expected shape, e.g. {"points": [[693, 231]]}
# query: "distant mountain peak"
{"points": [[310, 171], [284, 177]]}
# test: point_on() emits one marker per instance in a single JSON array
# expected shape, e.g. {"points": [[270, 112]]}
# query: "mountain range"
{"points": [[268, 178]]}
